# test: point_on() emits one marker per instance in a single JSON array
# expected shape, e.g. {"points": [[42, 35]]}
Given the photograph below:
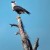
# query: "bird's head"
{"points": [[13, 3]]}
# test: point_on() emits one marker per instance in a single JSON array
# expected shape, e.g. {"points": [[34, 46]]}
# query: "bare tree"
{"points": [[25, 39]]}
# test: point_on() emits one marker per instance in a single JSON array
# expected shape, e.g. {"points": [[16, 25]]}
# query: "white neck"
{"points": [[13, 4]]}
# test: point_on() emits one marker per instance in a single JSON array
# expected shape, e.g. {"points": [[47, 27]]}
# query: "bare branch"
{"points": [[36, 44], [14, 25], [17, 33]]}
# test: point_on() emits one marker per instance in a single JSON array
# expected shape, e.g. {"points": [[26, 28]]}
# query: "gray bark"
{"points": [[25, 40]]}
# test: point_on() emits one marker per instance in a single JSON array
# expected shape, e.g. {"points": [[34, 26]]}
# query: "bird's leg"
{"points": [[18, 15]]}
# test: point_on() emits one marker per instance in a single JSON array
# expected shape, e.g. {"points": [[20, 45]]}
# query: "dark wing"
{"points": [[18, 8]]}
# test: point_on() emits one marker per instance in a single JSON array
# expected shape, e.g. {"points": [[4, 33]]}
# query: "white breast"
{"points": [[13, 4]]}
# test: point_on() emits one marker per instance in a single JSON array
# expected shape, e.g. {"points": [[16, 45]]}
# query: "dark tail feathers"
{"points": [[27, 12]]}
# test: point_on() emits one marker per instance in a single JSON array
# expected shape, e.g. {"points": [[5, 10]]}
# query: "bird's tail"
{"points": [[27, 12]]}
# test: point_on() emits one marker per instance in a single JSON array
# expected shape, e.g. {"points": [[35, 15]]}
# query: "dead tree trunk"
{"points": [[25, 40]]}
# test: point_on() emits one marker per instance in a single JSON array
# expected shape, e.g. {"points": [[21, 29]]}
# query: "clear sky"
{"points": [[37, 24]]}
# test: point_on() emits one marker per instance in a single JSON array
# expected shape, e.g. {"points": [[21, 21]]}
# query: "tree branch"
{"points": [[36, 44], [14, 25]]}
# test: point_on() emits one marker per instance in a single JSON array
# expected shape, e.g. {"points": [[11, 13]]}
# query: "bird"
{"points": [[18, 9]]}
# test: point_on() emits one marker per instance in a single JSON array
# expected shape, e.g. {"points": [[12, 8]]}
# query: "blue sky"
{"points": [[37, 24]]}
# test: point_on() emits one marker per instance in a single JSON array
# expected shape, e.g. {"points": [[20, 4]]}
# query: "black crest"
{"points": [[12, 1]]}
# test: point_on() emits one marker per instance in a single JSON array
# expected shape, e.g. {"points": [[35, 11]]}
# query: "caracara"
{"points": [[18, 9]]}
